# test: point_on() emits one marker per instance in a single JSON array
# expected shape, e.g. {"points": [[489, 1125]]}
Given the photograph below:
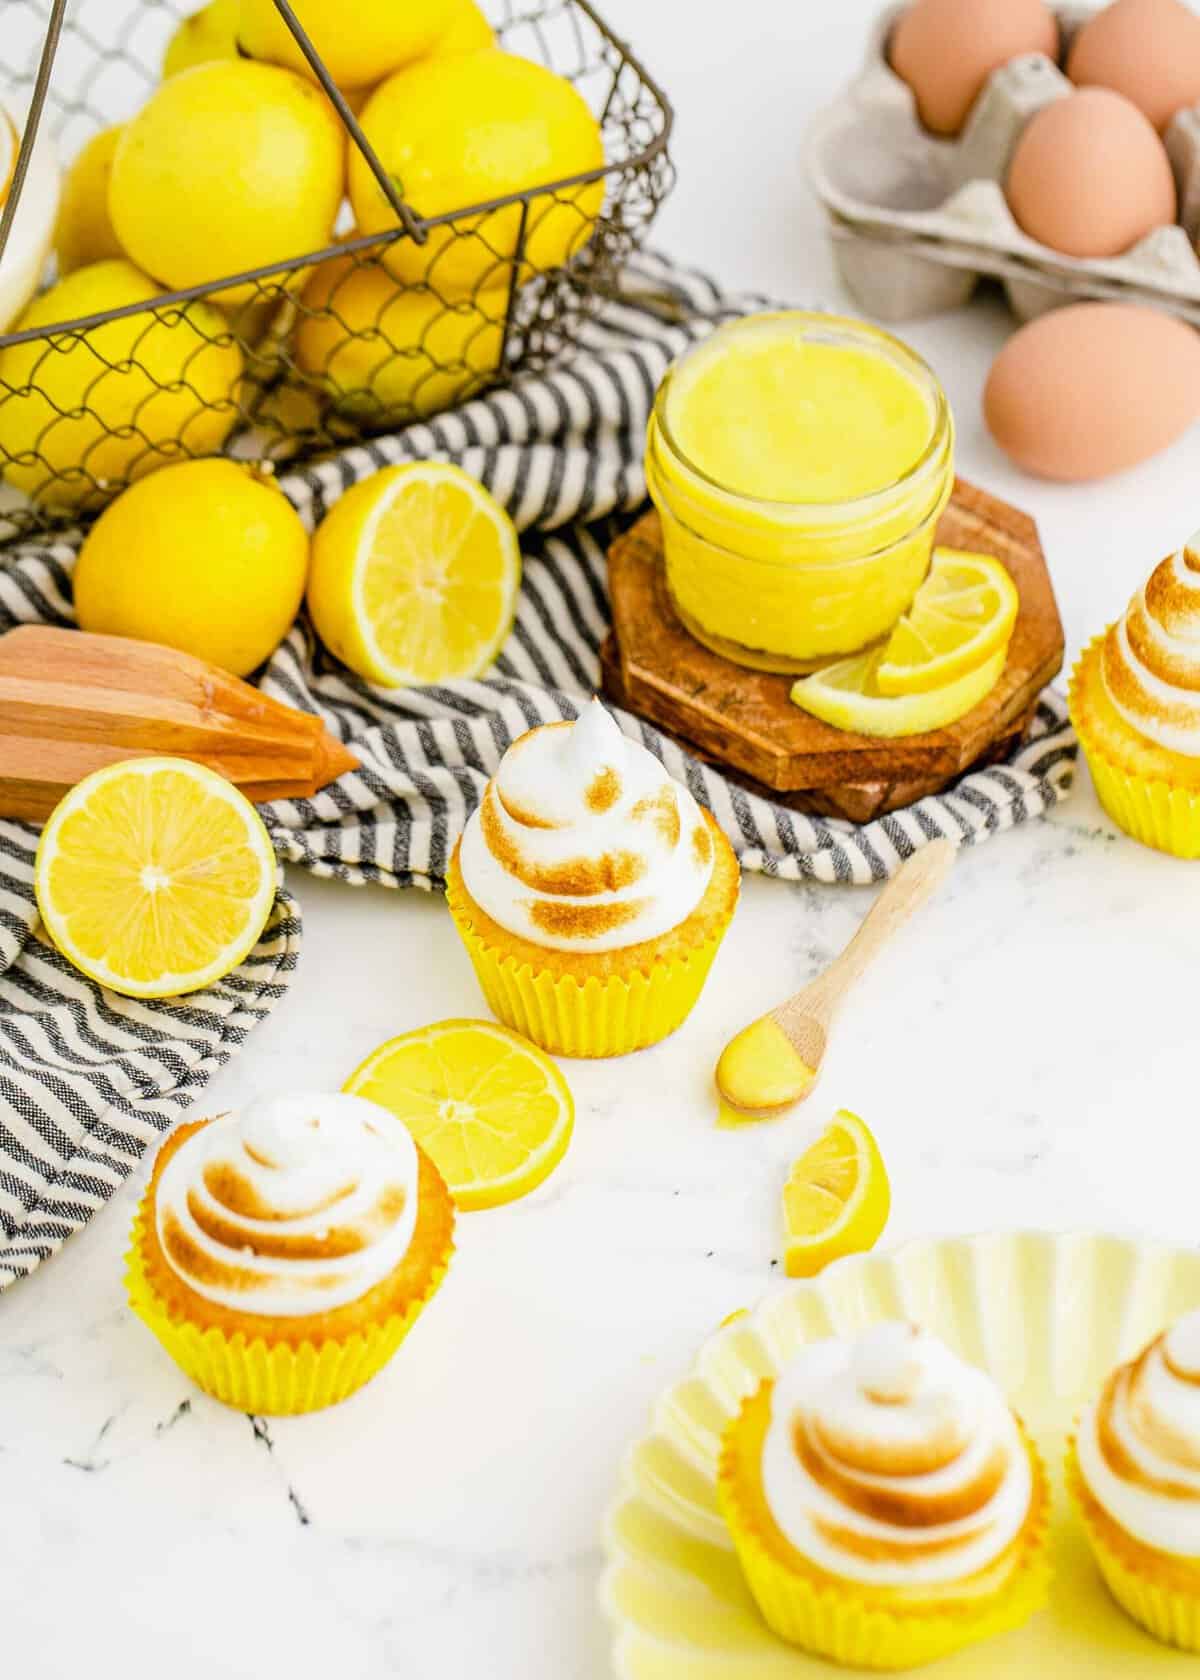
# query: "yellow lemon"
{"points": [[414, 576], [359, 44], [155, 877], [493, 1114], [847, 695], [387, 351], [468, 128], [206, 556], [837, 1199], [82, 417], [207, 34], [83, 233], [963, 613], [468, 30], [228, 166]]}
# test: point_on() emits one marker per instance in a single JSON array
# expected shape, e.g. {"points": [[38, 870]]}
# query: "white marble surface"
{"points": [[1025, 1057]]}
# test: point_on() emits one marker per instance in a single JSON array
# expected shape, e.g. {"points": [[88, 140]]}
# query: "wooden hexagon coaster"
{"points": [[744, 721]]}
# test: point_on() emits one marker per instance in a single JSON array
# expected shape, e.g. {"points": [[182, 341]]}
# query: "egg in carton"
{"points": [[918, 220]]}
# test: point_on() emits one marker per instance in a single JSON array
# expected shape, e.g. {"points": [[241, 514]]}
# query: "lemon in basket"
{"points": [[81, 417], [207, 34], [414, 576], [155, 877], [467, 128], [384, 350], [84, 233], [358, 43], [207, 556], [227, 167], [469, 30]]}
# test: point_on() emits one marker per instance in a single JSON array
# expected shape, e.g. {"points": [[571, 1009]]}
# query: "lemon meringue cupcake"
{"points": [[886, 1504], [1135, 704], [1134, 1471], [281, 1254], [590, 890]]}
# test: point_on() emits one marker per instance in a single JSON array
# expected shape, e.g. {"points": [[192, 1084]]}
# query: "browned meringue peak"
{"points": [[1151, 656]]}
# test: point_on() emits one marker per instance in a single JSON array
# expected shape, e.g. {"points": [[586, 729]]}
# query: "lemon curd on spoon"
{"points": [[800, 463]]}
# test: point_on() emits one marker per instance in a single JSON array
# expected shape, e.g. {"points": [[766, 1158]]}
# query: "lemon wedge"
{"points": [[846, 695], [414, 576], [837, 1199], [962, 614], [494, 1115], [155, 877]]}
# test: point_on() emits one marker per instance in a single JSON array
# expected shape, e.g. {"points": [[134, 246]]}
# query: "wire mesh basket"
{"points": [[372, 332]]}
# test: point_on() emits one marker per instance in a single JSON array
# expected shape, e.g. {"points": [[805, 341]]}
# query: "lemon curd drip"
{"points": [[784, 419]]}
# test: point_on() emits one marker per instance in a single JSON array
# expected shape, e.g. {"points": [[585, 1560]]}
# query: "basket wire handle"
{"points": [[408, 221], [32, 120]]}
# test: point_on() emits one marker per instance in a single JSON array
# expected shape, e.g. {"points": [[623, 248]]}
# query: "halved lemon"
{"points": [[837, 1199], [846, 695], [155, 877], [963, 613], [414, 576], [494, 1114]]}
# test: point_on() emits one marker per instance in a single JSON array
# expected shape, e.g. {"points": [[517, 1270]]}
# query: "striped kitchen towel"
{"points": [[88, 1079]]}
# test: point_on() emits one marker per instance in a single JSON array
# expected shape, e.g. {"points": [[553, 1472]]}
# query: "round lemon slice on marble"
{"points": [[494, 1115], [414, 576], [962, 614], [846, 695], [155, 877], [837, 1199]]}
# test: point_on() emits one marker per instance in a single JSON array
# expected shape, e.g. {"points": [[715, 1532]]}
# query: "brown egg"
{"points": [[1149, 50], [946, 50], [1092, 389], [1090, 177]]}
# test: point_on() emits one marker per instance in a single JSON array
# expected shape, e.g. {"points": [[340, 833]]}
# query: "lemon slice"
{"points": [[963, 612], [155, 877], [414, 576], [494, 1114], [847, 696], [837, 1199]]}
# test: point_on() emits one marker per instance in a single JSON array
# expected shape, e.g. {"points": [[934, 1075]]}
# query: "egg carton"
{"points": [[918, 221]]}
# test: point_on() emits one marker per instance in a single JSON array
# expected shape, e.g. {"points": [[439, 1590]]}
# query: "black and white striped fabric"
{"points": [[88, 1080]]}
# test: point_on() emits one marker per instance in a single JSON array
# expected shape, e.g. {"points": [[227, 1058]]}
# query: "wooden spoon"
{"points": [[775, 1062]]}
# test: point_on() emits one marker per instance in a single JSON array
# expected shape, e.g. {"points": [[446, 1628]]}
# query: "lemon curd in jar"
{"points": [[800, 463]]}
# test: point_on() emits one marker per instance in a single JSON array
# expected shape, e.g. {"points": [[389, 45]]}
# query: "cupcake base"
{"points": [[604, 1003], [1159, 812], [850, 1623], [1160, 1593]]}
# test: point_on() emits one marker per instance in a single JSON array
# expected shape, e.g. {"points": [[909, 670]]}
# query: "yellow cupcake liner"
{"points": [[595, 1017], [1153, 812], [1167, 1612], [840, 1621], [257, 1375]]}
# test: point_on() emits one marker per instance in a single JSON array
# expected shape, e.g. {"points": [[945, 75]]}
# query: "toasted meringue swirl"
{"points": [[294, 1206], [582, 842], [887, 1460], [1151, 658], [1139, 1443]]}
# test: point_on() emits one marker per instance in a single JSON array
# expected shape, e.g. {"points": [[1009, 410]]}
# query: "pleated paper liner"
{"points": [[256, 1375], [842, 1621], [1153, 812], [600, 1016], [1167, 1611], [1048, 1316]]}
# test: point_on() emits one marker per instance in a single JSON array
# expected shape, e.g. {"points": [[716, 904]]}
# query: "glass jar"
{"points": [[790, 585]]}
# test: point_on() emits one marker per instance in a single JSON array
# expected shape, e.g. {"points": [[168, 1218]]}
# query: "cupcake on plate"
{"points": [[282, 1253], [886, 1505], [1134, 1471], [1135, 703], [590, 890]]}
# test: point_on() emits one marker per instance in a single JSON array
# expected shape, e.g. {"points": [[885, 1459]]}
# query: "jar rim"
{"points": [[831, 328]]}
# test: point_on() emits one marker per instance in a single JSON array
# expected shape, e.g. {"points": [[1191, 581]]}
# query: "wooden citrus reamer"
{"points": [[775, 1061]]}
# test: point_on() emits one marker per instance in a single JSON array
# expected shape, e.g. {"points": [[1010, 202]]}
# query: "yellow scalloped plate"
{"points": [[1047, 1315]]}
